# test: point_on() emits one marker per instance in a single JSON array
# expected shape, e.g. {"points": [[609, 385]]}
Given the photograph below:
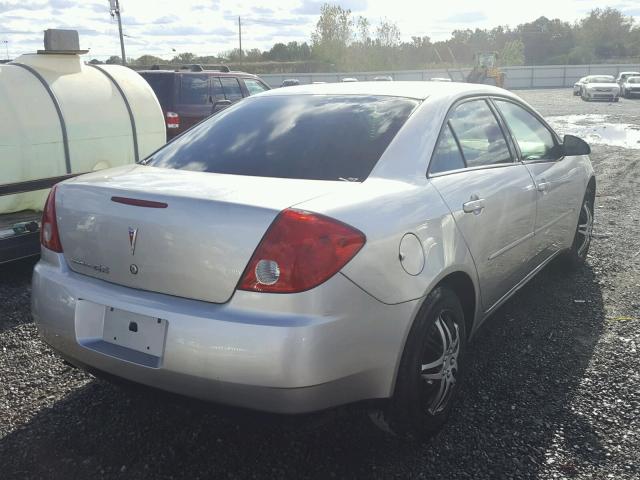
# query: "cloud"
{"points": [[212, 5], [466, 17], [184, 30], [312, 7], [263, 10], [23, 5], [62, 4]]}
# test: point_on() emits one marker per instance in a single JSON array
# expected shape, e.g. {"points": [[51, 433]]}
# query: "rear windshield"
{"points": [[162, 85], [321, 137]]}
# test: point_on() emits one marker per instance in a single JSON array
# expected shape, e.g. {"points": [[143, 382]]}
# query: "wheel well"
{"points": [[462, 285], [591, 187]]}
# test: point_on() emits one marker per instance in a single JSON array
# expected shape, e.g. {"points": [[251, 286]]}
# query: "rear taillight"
{"points": [[49, 237], [300, 251], [173, 120]]}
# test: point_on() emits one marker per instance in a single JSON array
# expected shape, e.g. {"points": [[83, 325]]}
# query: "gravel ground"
{"points": [[552, 391]]}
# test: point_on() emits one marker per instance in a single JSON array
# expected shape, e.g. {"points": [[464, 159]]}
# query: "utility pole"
{"points": [[240, 37], [115, 11]]}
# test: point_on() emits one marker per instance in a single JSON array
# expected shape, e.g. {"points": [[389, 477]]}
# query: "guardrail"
{"points": [[542, 76]]}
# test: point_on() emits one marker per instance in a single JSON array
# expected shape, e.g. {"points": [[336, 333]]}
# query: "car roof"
{"points": [[215, 73], [410, 89], [600, 75]]}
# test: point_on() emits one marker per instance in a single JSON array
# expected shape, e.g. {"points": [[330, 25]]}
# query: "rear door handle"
{"points": [[542, 186], [475, 205]]}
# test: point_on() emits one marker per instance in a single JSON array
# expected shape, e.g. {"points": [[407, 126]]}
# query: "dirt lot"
{"points": [[553, 389]]}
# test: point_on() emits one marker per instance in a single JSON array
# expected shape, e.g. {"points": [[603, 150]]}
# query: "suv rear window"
{"points": [[194, 89], [322, 137], [162, 85]]}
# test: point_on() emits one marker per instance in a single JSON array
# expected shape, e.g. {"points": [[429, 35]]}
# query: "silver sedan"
{"points": [[314, 246]]}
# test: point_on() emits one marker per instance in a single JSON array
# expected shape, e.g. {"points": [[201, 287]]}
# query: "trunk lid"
{"points": [[196, 247]]}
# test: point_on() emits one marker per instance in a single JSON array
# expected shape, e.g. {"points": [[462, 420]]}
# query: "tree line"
{"points": [[344, 42]]}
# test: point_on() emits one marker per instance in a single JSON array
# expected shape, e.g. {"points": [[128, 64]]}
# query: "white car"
{"points": [[622, 77], [600, 87], [577, 87], [630, 87], [349, 79]]}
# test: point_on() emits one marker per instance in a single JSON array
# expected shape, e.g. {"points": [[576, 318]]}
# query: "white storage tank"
{"points": [[60, 116]]}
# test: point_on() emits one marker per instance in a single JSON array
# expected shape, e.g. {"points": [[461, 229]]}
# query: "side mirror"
{"points": [[220, 104], [573, 146]]}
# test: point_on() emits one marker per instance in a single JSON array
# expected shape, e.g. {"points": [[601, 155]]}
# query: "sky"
{"points": [[209, 27]]}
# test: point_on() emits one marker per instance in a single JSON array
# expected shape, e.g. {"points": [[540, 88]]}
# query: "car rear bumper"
{"points": [[295, 353]]}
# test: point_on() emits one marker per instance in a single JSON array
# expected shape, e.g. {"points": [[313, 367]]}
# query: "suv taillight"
{"points": [[173, 120], [49, 237], [300, 251]]}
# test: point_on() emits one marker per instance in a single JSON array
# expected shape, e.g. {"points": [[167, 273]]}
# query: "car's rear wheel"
{"points": [[577, 253], [429, 373]]}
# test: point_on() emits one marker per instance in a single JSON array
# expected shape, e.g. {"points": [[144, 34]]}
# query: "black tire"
{"points": [[420, 406], [576, 255]]}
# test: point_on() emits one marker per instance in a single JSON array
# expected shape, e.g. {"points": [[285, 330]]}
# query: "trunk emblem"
{"points": [[133, 236], [133, 268]]}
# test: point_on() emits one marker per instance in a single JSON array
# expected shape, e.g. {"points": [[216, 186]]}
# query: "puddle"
{"points": [[595, 129]]}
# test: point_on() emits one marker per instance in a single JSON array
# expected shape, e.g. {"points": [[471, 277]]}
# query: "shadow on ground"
{"points": [[525, 365]]}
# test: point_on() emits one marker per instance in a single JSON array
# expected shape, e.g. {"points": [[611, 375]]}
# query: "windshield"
{"points": [[321, 137], [603, 79]]}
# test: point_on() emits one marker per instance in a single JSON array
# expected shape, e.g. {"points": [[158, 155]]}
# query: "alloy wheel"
{"points": [[439, 374], [585, 228]]}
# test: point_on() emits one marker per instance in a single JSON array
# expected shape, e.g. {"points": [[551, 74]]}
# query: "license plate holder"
{"points": [[137, 332]]}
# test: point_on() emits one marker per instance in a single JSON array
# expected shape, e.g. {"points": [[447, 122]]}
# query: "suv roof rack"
{"points": [[194, 67]]}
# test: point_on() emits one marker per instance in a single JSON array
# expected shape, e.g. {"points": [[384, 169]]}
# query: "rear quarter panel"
{"points": [[386, 210]]}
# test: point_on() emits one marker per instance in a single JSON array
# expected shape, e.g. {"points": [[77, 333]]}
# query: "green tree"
{"points": [[148, 60], [606, 33], [388, 34], [333, 34], [183, 58], [513, 53], [114, 60]]}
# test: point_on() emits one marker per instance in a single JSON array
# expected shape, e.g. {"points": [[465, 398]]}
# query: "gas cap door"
{"points": [[411, 254]]}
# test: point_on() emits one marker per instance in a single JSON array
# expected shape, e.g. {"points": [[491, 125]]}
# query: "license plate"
{"points": [[131, 330]]}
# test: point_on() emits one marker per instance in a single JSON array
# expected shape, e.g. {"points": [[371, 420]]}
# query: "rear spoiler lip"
{"points": [[34, 185]]}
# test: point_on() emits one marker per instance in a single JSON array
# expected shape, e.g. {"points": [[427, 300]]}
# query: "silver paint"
{"points": [[339, 342]]}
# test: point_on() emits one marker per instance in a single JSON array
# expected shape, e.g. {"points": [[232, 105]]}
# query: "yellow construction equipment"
{"points": [[486, 70]]}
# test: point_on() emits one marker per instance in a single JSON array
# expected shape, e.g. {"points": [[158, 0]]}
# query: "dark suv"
{"points": [[191, 93]]}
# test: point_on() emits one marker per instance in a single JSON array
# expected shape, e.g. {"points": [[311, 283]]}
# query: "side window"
{"points": [[216, 89], [194, 89], [534, 139], [231, 88], [479, 134], [447, 155], [254, 86]]}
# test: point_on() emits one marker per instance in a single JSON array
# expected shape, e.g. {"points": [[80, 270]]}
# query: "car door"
{"points": [[231, 88], [557, 179], [490, 194], [194, 99]]}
